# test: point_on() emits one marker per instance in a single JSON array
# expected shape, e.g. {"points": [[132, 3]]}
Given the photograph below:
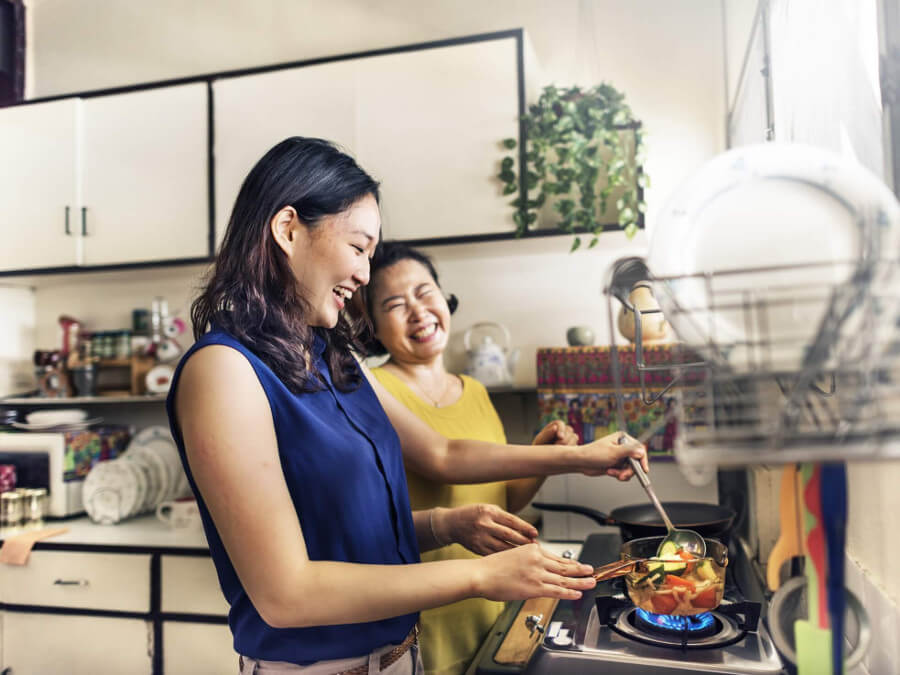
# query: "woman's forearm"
{"points": [[323, 593], [468, 461], [519, 492], [326, 593]]}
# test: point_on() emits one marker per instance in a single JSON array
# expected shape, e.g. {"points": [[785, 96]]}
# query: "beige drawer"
{"points": [[38, 644], [198, 649], [110, 581], [190, 585]]}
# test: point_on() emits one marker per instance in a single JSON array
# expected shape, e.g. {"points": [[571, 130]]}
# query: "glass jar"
{"points": [[34, 505], [123, 345], [11, 509]]}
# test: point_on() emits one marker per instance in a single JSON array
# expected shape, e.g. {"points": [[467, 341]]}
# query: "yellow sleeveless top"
{"points": [[450, 635]]}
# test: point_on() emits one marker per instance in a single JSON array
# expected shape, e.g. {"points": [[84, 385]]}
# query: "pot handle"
{"points": [[594, 514]]}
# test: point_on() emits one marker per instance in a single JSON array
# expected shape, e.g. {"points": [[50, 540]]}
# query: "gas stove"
{"points": [[604, 633]]}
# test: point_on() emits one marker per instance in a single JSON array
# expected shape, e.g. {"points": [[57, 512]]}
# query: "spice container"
{"points": [[11, 509], [7, 477], [34, 505]]}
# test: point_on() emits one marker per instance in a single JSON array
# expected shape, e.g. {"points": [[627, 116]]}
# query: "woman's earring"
{"points": [[452, 303]]}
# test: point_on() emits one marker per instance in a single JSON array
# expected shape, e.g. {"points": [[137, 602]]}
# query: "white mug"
{"points": [[181, 514]]}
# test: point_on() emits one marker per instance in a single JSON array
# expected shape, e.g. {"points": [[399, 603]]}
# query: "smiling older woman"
{"points": [[411, 319]]}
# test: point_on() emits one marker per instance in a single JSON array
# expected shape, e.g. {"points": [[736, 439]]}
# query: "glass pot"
{"points": [[679, 587]]}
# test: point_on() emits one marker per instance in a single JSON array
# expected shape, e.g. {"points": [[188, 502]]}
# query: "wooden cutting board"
{"points": [[521, 641]]}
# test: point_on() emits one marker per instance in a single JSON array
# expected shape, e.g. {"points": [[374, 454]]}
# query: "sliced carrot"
{"points": [[663, 604], [689, 558], [673, 580], [706, 598]]}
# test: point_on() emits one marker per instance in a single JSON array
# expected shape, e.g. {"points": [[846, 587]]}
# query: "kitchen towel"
{"points": [[16, 549]]}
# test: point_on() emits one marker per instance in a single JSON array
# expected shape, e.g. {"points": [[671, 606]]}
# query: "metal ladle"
{"points": [[688, 540]]}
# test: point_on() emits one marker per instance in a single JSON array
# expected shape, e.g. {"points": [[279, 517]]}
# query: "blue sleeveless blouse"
{"points": [[344, 470]]}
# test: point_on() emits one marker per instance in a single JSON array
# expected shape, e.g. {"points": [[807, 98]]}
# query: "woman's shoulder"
{"points": [[220, 360], [471, 386]]}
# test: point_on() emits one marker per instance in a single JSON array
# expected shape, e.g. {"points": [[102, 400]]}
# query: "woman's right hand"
{"points": [[608, 456], [528, 571]]}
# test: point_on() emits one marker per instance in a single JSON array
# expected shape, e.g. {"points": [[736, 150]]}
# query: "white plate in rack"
{"points": [[110, 492], [775, 227], [156, 444]]}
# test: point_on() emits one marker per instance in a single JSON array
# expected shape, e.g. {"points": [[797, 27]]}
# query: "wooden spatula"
{"points": [[790, 539]]}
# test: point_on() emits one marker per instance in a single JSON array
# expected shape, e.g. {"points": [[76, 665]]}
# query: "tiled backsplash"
{"points": [[605, 494], [883, 655]]}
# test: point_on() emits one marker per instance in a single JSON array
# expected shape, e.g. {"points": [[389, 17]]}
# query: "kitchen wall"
{"points": [[17, 338], [666, 58]]}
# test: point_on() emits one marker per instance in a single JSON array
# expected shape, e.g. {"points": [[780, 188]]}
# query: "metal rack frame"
{"points": [[740, 401]]}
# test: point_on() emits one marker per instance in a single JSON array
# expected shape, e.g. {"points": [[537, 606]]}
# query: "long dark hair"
{"points": [[389, 253], [252, 293]]}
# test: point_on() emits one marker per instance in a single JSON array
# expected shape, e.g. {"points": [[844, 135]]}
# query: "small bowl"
{"points": [[580, 336]]}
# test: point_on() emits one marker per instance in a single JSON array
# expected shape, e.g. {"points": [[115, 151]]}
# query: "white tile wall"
{"points": [[605, 494], [883, 655]]}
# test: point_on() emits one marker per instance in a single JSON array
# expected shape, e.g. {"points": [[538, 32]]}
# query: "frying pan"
{"points": [[642, 520]]}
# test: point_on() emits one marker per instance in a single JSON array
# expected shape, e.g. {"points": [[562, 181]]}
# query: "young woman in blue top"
{"points": [[296, 454]]}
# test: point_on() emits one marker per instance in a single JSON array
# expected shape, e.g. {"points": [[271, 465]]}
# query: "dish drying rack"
{"points": [[775, 393]]}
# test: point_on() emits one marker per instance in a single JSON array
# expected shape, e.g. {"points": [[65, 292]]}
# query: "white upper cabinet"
{"points": [[145, 183], [38, 191], [426, 123], [106, 180], [430, 126], [254, 112]]}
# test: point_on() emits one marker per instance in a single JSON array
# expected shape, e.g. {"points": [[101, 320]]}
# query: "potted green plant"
{"points": [[583, 148]]}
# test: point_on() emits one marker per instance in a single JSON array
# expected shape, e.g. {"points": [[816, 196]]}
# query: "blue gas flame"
{"points": [[678, 624]]}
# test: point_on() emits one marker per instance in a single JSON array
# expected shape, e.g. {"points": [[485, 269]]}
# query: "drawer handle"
{"points": [[71, 582]]}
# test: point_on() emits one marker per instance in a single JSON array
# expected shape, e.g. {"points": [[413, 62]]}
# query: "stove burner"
{"points": [[698, 625], [728, 624]]}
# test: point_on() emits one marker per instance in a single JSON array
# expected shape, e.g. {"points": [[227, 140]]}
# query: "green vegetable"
{"points": [[668, 550], [656, 575], [675, 567], [706, 571]]}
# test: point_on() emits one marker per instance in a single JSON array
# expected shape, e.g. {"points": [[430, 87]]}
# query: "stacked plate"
{"points": [[148, 473], [63, 419]]}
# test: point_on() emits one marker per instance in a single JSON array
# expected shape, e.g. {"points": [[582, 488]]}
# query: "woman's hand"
{"points": [[481, 528], [556, 433], [528, 572], [608, 456]]}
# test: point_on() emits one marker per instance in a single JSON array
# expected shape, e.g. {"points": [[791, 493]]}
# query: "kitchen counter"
{"points": [[148, 533], [144, 533]]}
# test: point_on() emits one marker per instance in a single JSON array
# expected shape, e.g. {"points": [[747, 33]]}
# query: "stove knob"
{"points": [[562, 640], [533, 622]]}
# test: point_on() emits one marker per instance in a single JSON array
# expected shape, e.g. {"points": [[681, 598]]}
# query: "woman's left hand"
{"points": [[556, 433], [482, 528]]}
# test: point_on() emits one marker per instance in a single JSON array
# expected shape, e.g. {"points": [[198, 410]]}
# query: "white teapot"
{"points": [[490, 363]]}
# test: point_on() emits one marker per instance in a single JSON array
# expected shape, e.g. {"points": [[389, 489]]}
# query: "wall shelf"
{"points": [[80, 400]]}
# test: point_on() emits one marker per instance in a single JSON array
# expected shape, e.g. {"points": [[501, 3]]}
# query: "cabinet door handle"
{"points": [[68, 231], [71, 582], [83, 221]]}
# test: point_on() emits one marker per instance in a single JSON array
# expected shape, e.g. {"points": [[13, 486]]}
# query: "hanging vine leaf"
{"points": [[582, 144]]}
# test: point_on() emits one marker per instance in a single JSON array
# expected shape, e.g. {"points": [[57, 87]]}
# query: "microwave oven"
{"points": [[60, 461]]}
